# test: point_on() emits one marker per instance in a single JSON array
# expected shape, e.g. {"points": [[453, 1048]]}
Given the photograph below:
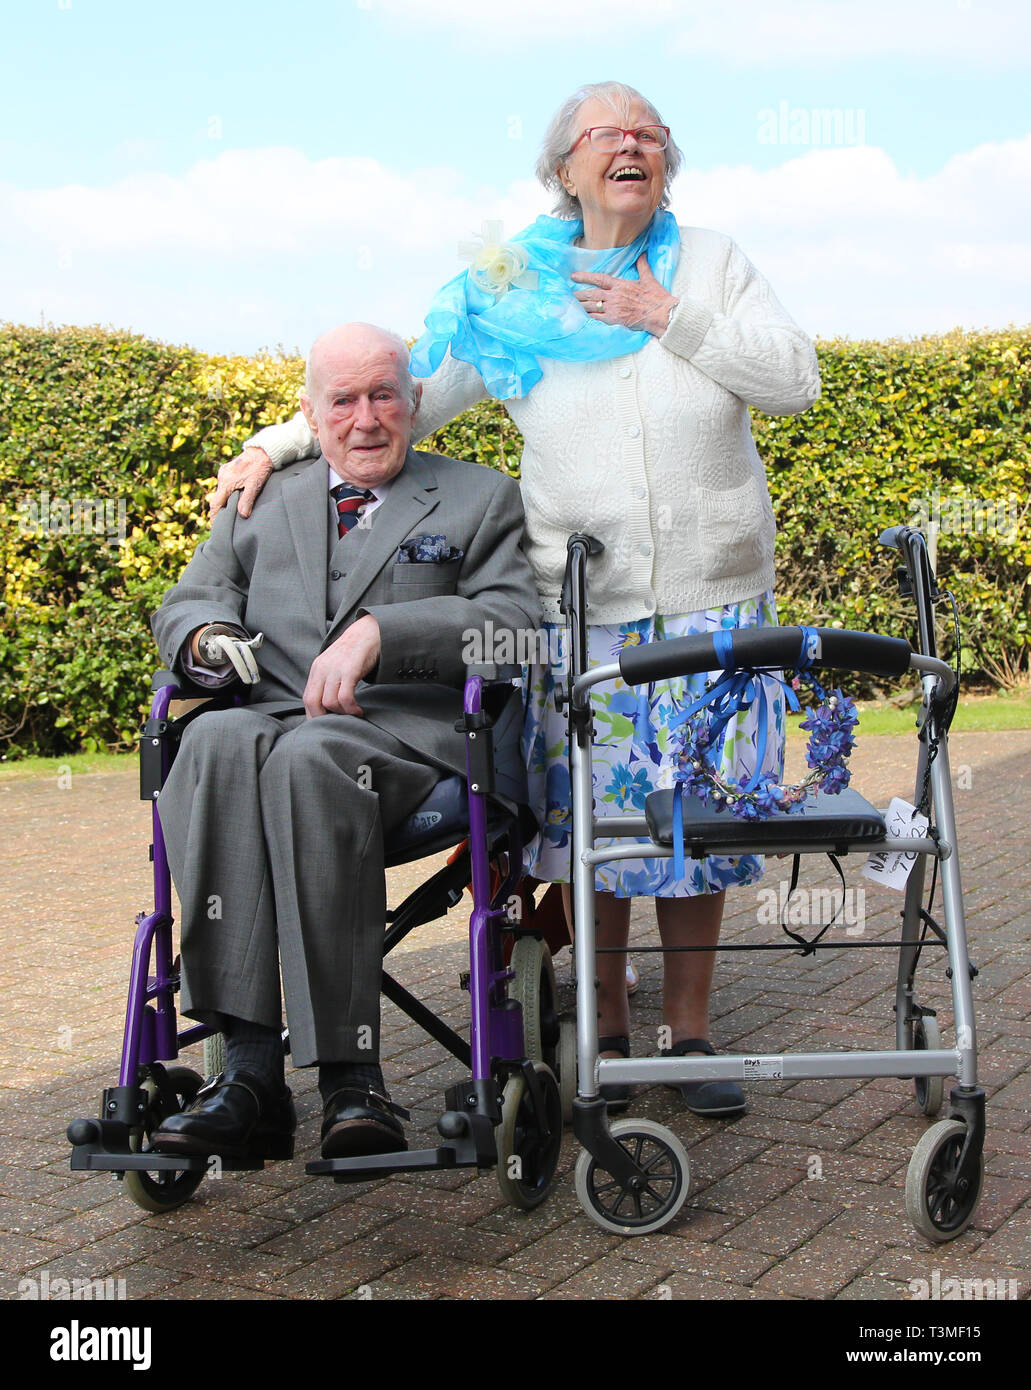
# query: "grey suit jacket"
{"points": [[271, 574]]}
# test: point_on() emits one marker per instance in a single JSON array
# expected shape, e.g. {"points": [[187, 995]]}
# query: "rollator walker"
{"points": [[633, 1175]]}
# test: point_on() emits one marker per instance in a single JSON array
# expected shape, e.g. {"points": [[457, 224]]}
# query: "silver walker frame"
{"points": [[955, 1162]]}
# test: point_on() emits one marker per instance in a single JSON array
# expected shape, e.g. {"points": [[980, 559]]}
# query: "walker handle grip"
{"points": [[765, 647]]}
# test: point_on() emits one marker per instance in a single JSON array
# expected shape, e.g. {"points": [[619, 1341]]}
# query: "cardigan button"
{"points": [[638, 491], [624, 372], [634, 431]]}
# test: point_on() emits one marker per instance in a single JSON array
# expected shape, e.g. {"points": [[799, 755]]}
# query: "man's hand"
{"points": [[215, 645], [247, 473], [637, 304], [336, 671]]}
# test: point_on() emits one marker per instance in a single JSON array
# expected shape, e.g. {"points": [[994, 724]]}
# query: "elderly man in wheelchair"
{"points": [[341, 608]]}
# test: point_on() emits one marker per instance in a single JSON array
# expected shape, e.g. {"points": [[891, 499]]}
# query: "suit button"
{"points": [[336, 574]]}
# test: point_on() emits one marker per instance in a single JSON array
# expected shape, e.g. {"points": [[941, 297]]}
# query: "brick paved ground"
{"points": [[757, 1225]]}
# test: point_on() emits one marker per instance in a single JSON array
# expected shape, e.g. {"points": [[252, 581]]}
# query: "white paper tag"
{"points": [[893, 867], [763, 1068]]}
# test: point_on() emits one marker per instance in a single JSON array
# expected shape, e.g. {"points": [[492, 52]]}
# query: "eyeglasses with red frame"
{"points": [[606, 139]]}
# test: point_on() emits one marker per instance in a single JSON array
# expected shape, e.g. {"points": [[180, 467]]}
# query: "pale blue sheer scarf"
{"points": [[503, 336]]}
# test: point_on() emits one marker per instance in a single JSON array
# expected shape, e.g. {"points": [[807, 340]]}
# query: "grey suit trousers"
{"points": [[267, 820]]}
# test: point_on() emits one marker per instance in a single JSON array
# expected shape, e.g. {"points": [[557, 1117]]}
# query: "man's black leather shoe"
{"points": [[235, 1116], [359, 1121]]}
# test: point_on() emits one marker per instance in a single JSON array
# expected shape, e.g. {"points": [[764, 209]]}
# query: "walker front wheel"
{"points": [[940, 1201], [646, 1202]]}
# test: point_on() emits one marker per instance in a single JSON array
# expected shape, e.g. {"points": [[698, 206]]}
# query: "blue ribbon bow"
{"points": [[730, 696]]}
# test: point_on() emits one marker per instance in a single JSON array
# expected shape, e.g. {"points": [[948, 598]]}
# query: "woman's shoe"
{"points": [[616, 1096], [710, 1098], [633, 980]]}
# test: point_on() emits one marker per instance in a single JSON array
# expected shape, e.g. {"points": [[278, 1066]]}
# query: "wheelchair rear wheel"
{"points": [[167, 1189], [533, 986], [214, 1054], [527, 1156]]}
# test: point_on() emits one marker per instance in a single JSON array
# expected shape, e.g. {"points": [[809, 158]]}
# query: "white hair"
{"points": [[405, 380], [563, 131]]}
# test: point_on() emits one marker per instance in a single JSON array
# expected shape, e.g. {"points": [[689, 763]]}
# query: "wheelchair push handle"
{"points": [[765, 647]]}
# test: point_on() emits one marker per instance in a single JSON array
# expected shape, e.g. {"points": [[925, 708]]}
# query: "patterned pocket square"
{"points": [[427, 550]]}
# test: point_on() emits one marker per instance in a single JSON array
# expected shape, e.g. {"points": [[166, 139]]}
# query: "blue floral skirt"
{"points": [[634, 753]]}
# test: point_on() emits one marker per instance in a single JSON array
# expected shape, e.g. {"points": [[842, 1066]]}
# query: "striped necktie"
{"points": [[350, 503]]}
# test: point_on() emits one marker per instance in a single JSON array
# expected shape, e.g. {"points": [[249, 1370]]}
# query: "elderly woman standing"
{"points": [[627, 351]]}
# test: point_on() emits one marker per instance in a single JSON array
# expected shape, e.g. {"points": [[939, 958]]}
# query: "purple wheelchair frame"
{"points": [[496, 1047]]}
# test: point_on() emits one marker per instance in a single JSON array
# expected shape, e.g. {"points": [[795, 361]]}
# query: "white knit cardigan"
{"points": [[652, 452]]}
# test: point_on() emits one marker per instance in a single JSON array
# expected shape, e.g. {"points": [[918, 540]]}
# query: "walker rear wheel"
{"points": [[930, 1090], [939, 1201], [641, 1204], [567, 1072]]}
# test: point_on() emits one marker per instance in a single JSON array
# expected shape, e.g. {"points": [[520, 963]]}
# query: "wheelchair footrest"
{"points": [[363, 1167], [86, 1158]]}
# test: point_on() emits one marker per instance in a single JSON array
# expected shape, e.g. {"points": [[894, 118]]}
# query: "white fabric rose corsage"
{"points": [[497, 266]]}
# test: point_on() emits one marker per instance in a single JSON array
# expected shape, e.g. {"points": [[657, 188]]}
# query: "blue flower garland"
{"points": [[830, 728]]}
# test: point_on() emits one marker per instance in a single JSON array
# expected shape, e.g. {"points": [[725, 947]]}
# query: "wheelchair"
{"points": [[508, 1115], [633, 1176]]}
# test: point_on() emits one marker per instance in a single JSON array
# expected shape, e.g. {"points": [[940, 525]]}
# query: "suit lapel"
{"points": [[412, 497], [304, 497]]}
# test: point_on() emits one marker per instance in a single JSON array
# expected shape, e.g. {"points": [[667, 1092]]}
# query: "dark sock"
{"points": [[334, 1076], [255, 1048]]}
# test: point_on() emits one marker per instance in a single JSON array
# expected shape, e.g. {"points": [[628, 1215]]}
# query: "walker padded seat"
{"points": [[841, 822]]}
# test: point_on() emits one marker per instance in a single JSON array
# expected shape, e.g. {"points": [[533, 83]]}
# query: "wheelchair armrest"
{"points": [[160, 735], [492, 673], [162, 678]]}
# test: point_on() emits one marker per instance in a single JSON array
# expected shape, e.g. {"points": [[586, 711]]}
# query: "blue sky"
{"points": [[245, 173]]}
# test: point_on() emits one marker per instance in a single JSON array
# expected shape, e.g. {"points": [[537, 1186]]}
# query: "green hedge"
{"points": [[127, 434]]}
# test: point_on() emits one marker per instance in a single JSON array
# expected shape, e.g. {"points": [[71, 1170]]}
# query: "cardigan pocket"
{"points": [[736, 530]]}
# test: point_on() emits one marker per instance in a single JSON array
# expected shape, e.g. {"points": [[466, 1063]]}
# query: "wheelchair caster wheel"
{"points": [[167, 1189], [214, 1054], [567, 1072], [533, 986], [644, 1204], [929, 1089], [939, 1203], [527, 1158]]}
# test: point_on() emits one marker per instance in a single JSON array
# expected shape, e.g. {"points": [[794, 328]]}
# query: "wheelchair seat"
{"points": [[436, 824], [841, 821]]}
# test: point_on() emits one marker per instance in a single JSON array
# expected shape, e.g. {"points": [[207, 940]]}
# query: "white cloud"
{"points": [[855, 247], [996, 32], [267, 246]]}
